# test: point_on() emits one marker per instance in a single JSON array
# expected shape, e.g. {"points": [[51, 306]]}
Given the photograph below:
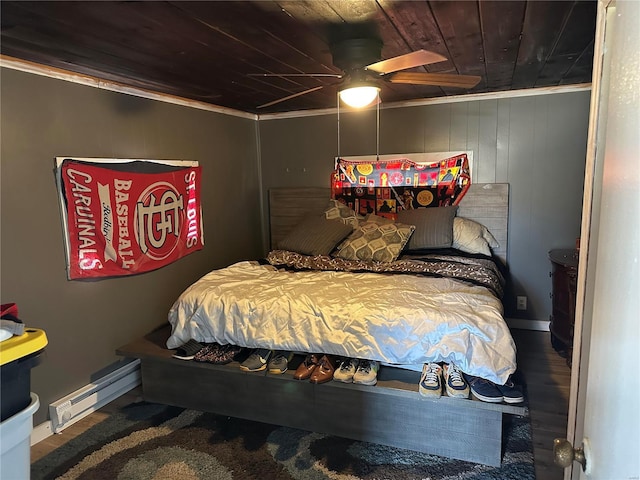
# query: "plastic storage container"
{"points": [[15, 443], [18, 355]]}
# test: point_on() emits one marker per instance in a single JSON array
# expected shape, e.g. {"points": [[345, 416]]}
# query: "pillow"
{"points": [[339, 211], [472, 237], [315, 236], [374, 242], [434, 226]]}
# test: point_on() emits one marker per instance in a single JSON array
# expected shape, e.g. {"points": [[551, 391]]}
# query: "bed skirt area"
{"points": [[390, 413]]}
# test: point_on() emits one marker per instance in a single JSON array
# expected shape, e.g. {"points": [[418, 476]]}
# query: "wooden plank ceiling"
{"points": [[211, 51]]}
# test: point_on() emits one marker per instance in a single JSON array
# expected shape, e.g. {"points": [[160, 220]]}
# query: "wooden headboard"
{"points": [[486, 203]]}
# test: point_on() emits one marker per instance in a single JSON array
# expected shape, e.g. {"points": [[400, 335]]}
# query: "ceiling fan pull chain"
{"points": [[378, 129], [338, 97]]}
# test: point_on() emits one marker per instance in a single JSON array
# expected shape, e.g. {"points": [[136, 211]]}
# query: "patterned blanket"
{"points": [[477, 271]]}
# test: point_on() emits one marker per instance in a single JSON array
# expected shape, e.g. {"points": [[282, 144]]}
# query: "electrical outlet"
{"points": [[521, 303]]}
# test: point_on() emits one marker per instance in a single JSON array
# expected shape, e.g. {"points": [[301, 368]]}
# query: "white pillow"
{"points": [[472, 237]]}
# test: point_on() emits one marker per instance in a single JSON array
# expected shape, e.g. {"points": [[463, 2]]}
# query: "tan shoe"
{"points": [[324, 371], [307, 367]]}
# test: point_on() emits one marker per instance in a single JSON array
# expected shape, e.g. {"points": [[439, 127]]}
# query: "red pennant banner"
{"points": [[126, 222]]}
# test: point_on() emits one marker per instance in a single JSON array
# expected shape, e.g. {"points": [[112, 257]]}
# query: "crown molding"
{"points": [[52, 72], [91, 81]]}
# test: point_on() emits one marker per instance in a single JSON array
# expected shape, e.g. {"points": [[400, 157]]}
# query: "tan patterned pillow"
{"points": [[370, 217], [375, 242], [339, 211]]}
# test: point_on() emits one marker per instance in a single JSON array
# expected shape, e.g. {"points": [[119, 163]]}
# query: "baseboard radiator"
{"points": [[77, 405]]}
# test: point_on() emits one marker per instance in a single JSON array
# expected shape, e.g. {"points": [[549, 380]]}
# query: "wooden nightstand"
{"points": [[564, 273]]}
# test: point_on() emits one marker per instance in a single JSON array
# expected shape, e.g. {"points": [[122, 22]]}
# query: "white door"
{"points": [[604, 410]]}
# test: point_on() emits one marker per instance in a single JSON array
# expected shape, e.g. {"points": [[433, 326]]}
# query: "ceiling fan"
{"points": [[359, 59]]}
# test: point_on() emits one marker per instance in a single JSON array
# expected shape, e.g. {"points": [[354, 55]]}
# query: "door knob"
{"points": [[564, 454]]}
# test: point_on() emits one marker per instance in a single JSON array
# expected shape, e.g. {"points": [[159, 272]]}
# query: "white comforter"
{"points": [[400, 320]]}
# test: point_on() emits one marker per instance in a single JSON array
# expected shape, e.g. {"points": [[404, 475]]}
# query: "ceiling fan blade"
{"points": [[402, 62], [437, 79], [332, 75], [304, 92]]}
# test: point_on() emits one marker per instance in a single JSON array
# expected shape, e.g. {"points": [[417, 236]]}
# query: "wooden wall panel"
{"points": [[501, 173], [436, 123], [458, 126], [536, 144], [473, 134], [487, 141], [402, 129]]}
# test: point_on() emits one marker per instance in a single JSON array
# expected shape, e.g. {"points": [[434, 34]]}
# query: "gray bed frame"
{"points": [[390, 413]]}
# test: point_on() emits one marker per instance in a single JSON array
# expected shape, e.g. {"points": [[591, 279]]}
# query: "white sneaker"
{"points": [[347, 370], [430, 381], [367, 372], [454, 382]]}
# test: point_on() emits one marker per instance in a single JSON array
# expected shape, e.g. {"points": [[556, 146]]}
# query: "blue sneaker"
{"points": [[484, 390], [511, 393]]}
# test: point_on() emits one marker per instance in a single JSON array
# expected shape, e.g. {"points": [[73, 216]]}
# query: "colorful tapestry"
{"points": [[385, 187], [128, 217]]}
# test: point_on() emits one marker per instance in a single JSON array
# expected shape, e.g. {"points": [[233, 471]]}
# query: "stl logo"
{"points": [[159, 217]]}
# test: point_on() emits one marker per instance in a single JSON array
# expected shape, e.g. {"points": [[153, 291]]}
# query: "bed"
{"points": [[427, 306]]}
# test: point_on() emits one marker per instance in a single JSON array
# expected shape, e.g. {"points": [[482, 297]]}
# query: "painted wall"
{"points": [[85, 322], [537, 144]]}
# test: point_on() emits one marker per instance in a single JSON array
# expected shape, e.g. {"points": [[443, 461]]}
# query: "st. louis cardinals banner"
{"points": [[127, 217]]}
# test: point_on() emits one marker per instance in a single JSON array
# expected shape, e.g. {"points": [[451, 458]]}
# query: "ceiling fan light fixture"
{"points": [[359, 96]]}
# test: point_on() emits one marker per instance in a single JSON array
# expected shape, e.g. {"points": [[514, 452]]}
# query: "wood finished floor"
{"points": [[546, 373], [548, 380]]}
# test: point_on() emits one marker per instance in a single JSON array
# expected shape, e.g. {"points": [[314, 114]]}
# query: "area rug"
{"points": [[146, 441]]}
